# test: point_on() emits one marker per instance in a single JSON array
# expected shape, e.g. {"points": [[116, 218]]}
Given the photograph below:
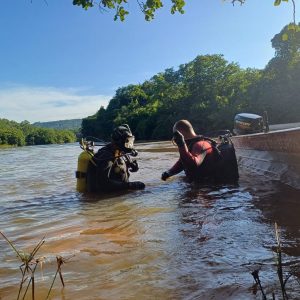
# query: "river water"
{"points": [[173, 240]]}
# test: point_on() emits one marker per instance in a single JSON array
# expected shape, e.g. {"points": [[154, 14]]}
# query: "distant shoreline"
{"points": [[3, 146]]}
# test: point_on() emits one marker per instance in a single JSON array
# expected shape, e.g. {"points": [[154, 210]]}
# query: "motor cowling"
{"points": [[246, 123]]}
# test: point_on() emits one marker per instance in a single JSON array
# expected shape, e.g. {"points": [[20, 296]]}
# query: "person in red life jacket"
{"points": [[109, 168], [200, 158]]}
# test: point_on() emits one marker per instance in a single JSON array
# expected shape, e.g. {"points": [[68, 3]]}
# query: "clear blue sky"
{"points": [[58, 61]]}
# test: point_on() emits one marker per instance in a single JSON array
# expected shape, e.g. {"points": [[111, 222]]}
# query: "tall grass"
{"points": [[28, 266]]}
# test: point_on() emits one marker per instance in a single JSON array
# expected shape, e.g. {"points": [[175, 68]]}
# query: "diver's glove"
{"points": [[178, 138], [134, 153], [136, 185], [133, 166], [165, 175]]}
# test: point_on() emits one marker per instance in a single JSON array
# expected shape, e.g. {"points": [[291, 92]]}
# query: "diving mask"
{"points": [[129, 142]]}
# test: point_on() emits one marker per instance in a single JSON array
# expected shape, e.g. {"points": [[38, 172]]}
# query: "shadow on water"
{"points": [[230, 230], [278, 203], [92, 197], [283, 208]]}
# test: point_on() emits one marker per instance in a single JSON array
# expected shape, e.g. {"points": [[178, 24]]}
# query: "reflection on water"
{"points": [[173, 240]]}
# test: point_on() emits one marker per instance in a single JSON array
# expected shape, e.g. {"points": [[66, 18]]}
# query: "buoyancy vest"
{"points": [[220, 166], [106, 166]]}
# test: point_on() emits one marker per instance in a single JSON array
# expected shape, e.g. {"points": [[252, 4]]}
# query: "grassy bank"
{"points": [[3, 146]]}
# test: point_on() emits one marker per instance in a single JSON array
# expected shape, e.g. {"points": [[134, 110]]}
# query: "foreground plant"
{"points": [[28, 267], [60, 261], [280, 272]]}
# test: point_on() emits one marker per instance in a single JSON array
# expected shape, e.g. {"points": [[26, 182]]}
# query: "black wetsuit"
{"points": [[218, 166], [106, 172]]}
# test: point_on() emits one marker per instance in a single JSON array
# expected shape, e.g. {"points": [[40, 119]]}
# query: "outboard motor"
{"points": [[245, 123]]}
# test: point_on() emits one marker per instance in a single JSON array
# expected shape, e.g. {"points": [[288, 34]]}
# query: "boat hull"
{"points": [[274, 154]]}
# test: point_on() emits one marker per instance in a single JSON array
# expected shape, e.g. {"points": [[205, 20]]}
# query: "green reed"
{"points": [[283, 279], [28, 267]]}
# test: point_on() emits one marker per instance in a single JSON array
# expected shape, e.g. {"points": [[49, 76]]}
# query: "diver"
{"points": [[201, 158], [108, 169]]}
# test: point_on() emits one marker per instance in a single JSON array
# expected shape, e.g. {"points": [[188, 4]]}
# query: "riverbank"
{"points": [[4, 146]]}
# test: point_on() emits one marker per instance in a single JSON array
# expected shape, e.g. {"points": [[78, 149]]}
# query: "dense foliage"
{"points": [[73, 124], [278, 91], [208, 91], [20, 134], [148, 7]]}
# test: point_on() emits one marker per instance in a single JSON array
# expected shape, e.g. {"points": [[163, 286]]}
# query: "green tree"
{"points": [[149, 7], [208, 91], [278, 90], [287, 45], [20, 134], [11, 134]]}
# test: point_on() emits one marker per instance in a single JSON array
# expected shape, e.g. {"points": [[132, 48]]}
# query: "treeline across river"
{"points": [[21, 134], [208, 91]]}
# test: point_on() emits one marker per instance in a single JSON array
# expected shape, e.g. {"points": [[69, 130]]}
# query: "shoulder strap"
{"points": [[213, 144]]}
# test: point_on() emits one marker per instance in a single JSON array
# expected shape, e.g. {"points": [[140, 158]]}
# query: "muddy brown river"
{"points": [[174, 240]]}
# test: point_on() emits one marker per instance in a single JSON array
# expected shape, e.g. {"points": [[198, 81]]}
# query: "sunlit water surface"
{"points": [[173, 240]]}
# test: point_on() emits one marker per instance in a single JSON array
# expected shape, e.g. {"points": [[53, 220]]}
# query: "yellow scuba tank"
{"points": [[82, 165]]}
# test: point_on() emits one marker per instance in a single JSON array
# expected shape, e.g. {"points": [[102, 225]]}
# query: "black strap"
{"points": [[213, 143], [80, 175]]}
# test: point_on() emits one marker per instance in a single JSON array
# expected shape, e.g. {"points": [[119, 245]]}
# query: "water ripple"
{"points": [[171, 241]]}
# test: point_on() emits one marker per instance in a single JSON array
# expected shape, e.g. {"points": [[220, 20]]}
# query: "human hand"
{"points": [[134, 153], [178, 138], [133, 166], [165, 175], [136, 185]]}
